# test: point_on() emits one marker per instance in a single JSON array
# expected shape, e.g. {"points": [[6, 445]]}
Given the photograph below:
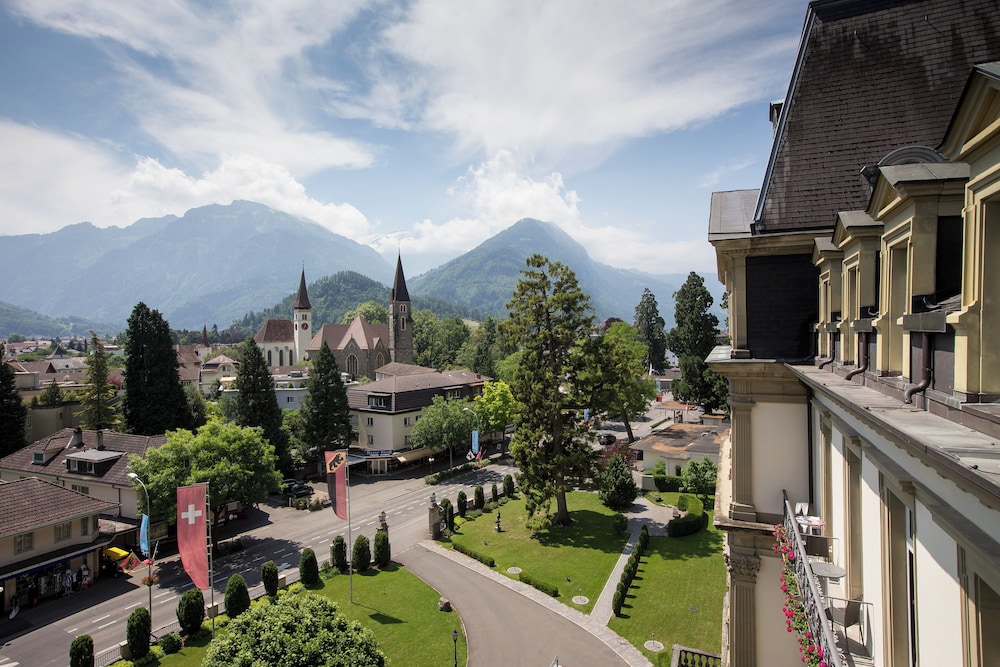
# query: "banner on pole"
{"points": [[144, 535], [475, 441], [336, 481], [192, 533]]}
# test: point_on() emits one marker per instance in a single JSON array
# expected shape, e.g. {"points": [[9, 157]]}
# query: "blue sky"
{"points": [[424, 127]]}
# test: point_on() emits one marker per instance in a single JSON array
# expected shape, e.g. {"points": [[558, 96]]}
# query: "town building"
{"points": [[863, 375]]}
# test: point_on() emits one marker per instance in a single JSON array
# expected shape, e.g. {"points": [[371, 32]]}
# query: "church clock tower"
{"points": [[302, 320], [400, 319]]}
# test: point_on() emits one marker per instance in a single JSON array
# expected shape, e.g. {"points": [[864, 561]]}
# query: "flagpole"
{"points": [[350, 572], [211, 569]]}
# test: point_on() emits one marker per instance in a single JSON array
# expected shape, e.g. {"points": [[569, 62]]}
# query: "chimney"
{"points": [[100, 439], [77, 439]]}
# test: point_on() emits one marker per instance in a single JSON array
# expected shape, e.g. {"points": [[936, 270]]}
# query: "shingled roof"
{"points": [[871, 76], [32, 503], [365, 334], [275, 331]]}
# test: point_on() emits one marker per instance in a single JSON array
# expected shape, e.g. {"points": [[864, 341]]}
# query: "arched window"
{"points": [[352, 365], [269, 357], [379, 360], [281, 357]]}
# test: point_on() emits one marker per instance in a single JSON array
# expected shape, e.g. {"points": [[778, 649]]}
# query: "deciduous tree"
{"points": [[154, 399], [325, 415], [257, 403], [372, 312], [496, 406], [551, 316], [13, 413], [99, 395], [651, 329], [444, 426], [698, 477]]}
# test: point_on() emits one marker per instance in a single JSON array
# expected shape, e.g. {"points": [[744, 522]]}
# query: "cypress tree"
{"points": [[154, 398], [13, 413], [651, 329], [257, 402], [98, 397]]}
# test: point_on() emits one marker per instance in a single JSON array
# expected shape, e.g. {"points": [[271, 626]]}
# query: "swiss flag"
{"points": [[192, 533], [336, 481]]}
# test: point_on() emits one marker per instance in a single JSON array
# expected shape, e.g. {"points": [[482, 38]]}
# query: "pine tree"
{"points": [[326, 416], [618, 487], [257, 403], [692, 339], [52, 395], [154, 397], [552, 318], [13, 413], [98, 397], [652, 330]]}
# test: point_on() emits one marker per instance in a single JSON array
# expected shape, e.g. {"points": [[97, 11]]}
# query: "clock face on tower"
{"points": [[305, 325]]}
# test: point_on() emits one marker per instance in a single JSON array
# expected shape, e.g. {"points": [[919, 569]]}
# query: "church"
{"points": [[359, 347]]}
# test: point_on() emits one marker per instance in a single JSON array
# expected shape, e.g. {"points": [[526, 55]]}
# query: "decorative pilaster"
{"points": [[741, 508], [742, 568]]}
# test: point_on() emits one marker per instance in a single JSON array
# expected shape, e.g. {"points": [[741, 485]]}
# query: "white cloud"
{"points": [[714, 177]]}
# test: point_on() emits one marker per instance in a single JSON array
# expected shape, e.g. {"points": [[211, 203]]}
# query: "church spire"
{"points": [[399, 292], [302, 298]]}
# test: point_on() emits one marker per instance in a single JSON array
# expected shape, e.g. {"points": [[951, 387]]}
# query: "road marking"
{"points": [[134, 604], [397, 513], [188, 585], [170, 599], [261, 557], [4, 663], [97, 620], [326, 539], [162, 594], [69, 632], [101, 627]]}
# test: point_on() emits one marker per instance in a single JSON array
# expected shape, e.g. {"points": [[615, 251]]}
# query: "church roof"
{"points": [[871, 76], [275, 331], [337, 336], [399, 292], [302, 298]]}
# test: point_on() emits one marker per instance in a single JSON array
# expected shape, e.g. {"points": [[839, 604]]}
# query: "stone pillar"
{"points": [[383, 527], [434, 518], [741, 508], [742, 568]]}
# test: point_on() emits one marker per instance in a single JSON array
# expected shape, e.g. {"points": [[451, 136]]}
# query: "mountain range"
{"points": [[220, 264]]}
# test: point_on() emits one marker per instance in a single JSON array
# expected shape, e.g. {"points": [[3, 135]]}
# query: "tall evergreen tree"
{"points": [[257, 403], [326, 417], [692, 339], [551, 316], [616, 381], [154, 397], [98, 397], [651, 329], [13, 413]]}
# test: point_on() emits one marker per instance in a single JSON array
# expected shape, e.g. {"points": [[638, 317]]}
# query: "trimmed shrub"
{"points": [[269, 577], [479, 497], [683, 502], [361, 555], [696, 519], [308, 568], [616, 603], [448, 513], [338, 553], [474, 514], [237, 598], [643, 538], [508, 485], [494, 494], [191, 611], [137, 633], [382, 550], [171, 643], [548, 589], [665, 483], [81, 652], [619, 523], [485, 560], [462, 503]]}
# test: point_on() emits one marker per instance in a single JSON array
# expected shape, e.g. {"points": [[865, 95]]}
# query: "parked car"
{"points": [[300, 490], [607, 439]]}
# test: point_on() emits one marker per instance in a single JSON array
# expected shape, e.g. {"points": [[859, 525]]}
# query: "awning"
{"points": [[115, 554], [414, 455], [49, 560]]}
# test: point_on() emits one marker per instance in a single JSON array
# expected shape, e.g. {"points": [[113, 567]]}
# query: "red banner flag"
{"points": [[192, 533], [336, 481]]}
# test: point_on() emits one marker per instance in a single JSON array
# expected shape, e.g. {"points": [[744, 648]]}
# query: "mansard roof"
{"points": [[870, 76]]}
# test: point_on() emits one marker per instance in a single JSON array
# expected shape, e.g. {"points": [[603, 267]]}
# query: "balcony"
{"points": [[836, 628]]}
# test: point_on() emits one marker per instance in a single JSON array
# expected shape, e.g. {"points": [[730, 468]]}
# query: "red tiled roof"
{"points": [[275, 331]]}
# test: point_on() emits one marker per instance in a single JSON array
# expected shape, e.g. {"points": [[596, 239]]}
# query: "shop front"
{"points": [[49, 577]]}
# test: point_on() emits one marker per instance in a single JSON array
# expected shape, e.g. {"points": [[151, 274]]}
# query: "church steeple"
{"points": [[400, 319], [302, 318]]}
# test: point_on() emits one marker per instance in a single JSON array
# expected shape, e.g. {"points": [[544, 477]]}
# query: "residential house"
{"points": [[677, 445], [862, 372], [384, 412], [46, 532], [219, 370]]}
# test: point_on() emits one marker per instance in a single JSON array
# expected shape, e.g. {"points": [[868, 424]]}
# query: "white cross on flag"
{"points": [[192, 533]]}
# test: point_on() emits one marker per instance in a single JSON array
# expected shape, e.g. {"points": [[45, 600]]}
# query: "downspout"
{"points": [[809, 447], [864, 358], [925, 362], [826, 362]]}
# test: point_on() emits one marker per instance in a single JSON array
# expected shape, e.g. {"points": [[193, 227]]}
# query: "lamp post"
{"points": [[149, 560], [479, 424], [454, 640]]}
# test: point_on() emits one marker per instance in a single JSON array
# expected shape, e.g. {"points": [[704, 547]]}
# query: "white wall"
{"points": [[871, 537], [780, 454], [775, 645], [939, 599]]}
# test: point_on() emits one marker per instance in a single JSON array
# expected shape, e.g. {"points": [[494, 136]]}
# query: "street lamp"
{"points": [[149, 559], [454, 639], [479, 424]]}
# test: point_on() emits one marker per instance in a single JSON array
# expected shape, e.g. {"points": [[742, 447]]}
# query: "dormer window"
{"points": [[37, 458]]}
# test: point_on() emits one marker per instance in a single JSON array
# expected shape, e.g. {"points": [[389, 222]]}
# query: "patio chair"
{"points": [[846, 616]]}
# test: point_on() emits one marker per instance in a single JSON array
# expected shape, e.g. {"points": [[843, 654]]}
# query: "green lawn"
{"points": [[395, 605], [585, 551]]}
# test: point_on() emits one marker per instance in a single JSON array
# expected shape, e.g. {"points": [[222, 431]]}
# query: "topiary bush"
{"points": [[643, 538], [682, 503], [191, 611], [81, 652], [479, 497], [448, 511], [462, 503], [617, 486], [548, 589], [308, 568], [137, 633], [237, 598], [696, 519], [494, 494], [361, 556], [269, 577], [382, 550], [171, 643], [485, 560], [508, 486], [616, 603], [619, 523], [338, 553]]}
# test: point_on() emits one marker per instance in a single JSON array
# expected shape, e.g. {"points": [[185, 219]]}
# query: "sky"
{"points": [[422, 127]]}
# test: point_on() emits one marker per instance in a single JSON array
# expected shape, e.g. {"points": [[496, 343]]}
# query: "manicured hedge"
{"points": [[665, 483], [485, 560], [548, 589], [696, 519]]}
